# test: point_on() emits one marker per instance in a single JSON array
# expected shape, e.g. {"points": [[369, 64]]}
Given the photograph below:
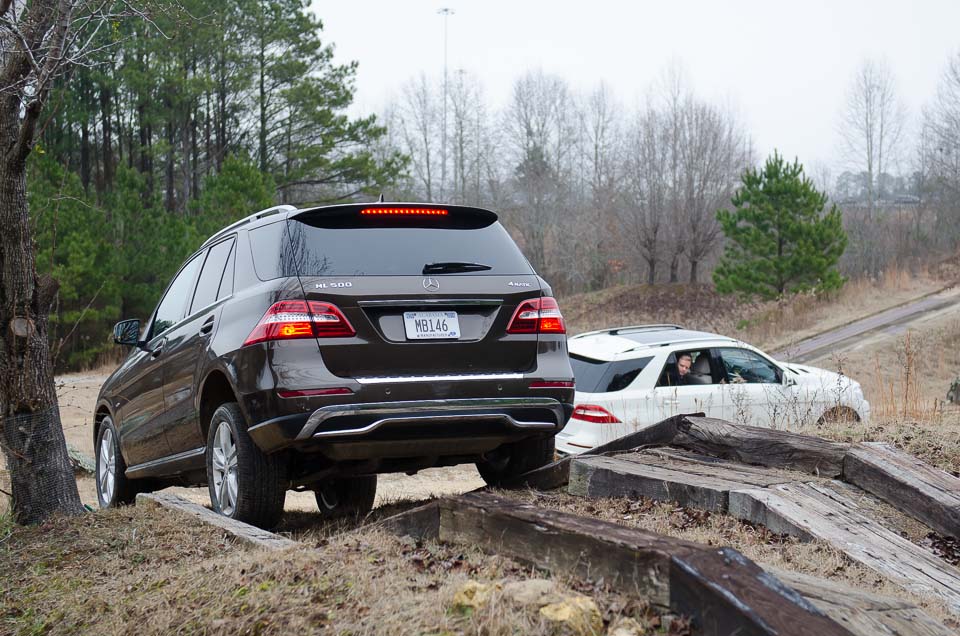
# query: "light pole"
{"points": [[446, 12]]}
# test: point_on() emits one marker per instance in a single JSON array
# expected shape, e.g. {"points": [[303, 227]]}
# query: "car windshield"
{"points": [[601, 376]]}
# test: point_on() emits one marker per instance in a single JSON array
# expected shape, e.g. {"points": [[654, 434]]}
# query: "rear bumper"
{"points": [[422, 427]]}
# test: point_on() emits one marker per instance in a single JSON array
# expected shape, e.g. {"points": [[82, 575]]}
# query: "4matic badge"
{"points": [[516, 284]]}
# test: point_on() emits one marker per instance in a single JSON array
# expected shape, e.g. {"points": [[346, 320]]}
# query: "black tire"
{"points": [[123, 490], [348, 497], [260, 479], [505, 464]]}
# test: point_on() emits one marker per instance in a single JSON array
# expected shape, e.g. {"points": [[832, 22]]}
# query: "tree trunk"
{"points": [[105, 103], [675, 268], [651, 271], [42, 481], [694, 266]]}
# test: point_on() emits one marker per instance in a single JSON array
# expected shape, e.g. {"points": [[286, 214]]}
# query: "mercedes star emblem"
{"points": [[431, 284]]}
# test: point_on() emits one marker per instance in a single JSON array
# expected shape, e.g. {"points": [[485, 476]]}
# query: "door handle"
{"points": [[156, 351], [207, 326]]}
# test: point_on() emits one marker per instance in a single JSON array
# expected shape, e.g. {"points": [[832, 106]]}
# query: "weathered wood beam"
{"points": [[721, 590], [863, 613], [664, 475], [241, 531], [818, 511], [928, 494], [422, 522], [762, 446]]}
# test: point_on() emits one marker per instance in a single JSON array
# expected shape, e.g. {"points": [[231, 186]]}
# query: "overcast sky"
{"points": [[784, 66]]}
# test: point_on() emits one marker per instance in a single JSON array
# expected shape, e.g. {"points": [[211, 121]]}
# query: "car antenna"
{"points": [[380, 200]]}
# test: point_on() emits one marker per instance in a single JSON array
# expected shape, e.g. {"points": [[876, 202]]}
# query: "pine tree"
{"points": [[779, 239]]}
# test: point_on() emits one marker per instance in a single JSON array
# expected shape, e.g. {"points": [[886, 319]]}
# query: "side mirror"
{"points": [[788, 381], [127, 332]]}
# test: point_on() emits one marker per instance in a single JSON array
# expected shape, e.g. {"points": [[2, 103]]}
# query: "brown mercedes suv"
{"points": [[313, 349]]}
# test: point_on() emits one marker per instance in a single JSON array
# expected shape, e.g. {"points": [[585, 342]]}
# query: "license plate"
{"points": [[431, 325]]}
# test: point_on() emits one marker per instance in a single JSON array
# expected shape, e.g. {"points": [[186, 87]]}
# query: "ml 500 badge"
{"points": [[339, 285]]}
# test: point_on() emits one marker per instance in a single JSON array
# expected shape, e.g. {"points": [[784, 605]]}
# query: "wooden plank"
{"points": [[861, 612], [687, 479], [243, 532], [422, 522], [556, 474], [722, 591], [928, 494], [762, 446], [818, 511]]}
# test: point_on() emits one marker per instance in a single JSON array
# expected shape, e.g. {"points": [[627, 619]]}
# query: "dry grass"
{"points": [[149, 572], [905, 379], [772, 324]]}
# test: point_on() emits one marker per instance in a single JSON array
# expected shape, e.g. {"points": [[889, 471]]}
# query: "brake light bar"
{"points": [[593, 413], [537, 315], [552, 384], [292, 319], [404, 212]]}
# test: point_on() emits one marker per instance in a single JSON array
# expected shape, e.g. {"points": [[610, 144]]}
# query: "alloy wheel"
{"points": [[225, 469], [107, 466]]}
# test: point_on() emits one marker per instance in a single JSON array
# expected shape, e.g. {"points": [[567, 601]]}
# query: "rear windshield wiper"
{"points": [[448, 267]]}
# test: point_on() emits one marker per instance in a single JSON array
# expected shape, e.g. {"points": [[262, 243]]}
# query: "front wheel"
{"points": [[113, 487], [510, 461], [350, 497], [245, 483]]}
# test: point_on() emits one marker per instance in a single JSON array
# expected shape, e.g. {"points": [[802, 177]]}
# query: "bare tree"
{"points": [[541, 127], [39, 40], [420, 122], [714, 152], [942, 127], [645, 211], [871, 125]]}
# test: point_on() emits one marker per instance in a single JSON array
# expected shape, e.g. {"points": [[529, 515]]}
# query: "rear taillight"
{"points": [[291, 319], [537, 315], [594, 413]]}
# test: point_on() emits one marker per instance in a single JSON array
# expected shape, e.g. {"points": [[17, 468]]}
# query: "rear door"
{"points": [[700, 393], [186, 346], [428, 294]]}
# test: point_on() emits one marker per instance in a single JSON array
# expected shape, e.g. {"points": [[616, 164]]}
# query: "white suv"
{"points": [[632, 377]]}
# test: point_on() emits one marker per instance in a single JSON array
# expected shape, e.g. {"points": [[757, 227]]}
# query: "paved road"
{"points": [[892, 320]]}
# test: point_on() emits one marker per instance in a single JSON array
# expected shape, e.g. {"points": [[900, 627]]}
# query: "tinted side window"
{"points": [[226, 283], [210, 276], [173, 307], [600, 376], [697, 365], [743, 365], [266, 242]]}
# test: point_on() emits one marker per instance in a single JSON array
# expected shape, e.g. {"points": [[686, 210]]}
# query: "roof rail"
{"points": [[276, 209], [634, 328]]}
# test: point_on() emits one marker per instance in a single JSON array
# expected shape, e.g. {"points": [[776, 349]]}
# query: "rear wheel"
{"points": [[113, 487], [347, 497], [510, 461], [245, 483], [839, 415]]}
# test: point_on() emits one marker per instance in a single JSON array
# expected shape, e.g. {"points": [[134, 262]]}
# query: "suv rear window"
{"points": [[317, 247], [600, 376]]}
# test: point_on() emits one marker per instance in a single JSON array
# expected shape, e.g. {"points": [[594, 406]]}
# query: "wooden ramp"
{"points": [[822, 512], [787, 502], [924, 492], [864, 614]]}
